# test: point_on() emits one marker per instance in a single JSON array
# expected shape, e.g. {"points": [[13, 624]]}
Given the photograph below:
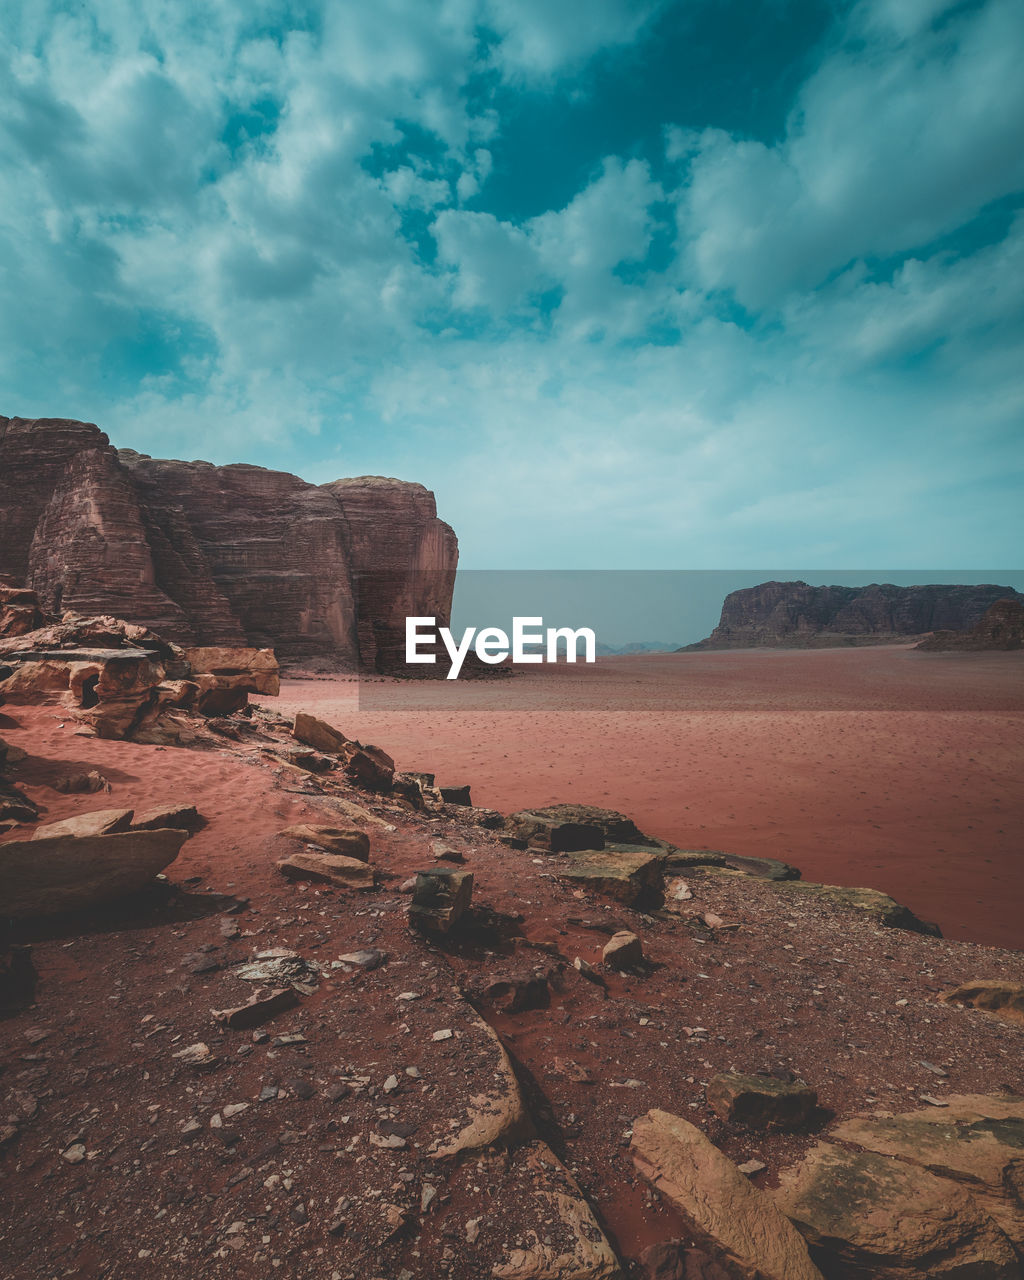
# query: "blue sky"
{"points": [[701, 284]]}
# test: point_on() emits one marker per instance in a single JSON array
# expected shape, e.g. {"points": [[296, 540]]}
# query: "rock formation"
{"points": [[793, 615], [1002, 627], [220, 556]]}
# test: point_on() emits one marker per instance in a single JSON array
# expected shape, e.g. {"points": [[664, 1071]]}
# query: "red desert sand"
{"points": [[877, 766]]}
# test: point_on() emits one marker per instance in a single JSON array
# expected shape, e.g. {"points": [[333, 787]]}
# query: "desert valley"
{"points": [[685, 965]]}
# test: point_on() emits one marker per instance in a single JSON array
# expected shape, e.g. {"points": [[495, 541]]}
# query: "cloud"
{"points": [[890, 145], [269, 232]]}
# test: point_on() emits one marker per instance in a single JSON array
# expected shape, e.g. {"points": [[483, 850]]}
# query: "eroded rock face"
{"points": [[1002, 627], [795, 615], [233, 556]]}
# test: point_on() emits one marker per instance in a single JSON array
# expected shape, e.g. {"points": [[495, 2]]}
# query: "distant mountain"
{"points": [[1002, 627], [637, 646], [793, 615]]}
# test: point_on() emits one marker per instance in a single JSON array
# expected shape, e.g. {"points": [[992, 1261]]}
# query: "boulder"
{"points": [[440, 899], [975, 1140], [564, 1241], [456, 795], [66, 873], [722, 1210], [318, 734], [672, 1260], [870, 1217], [761, 1102], [244, 669], [369, 767], [98, 822], [564, 828], [623, 950], [994, 995], [15, 807], [182, 817], [628, 876], [331, 868], [348, 843]]}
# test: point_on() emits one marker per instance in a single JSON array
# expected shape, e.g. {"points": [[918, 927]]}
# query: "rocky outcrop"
{"points": [[793, 615], [68, 873], [234, 556], [722, 1211], [1001, 628], [410, 571]]}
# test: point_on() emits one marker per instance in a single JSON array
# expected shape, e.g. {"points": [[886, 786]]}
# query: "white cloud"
{"points": [[891, 144], [542, 37]]}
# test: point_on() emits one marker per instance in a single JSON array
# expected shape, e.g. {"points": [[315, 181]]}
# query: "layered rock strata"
{"points": [[220, 556]]}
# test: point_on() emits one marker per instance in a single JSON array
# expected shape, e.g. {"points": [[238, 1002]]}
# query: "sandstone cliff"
{"points": [[233, 555], [1001, 628], [793, 615]]}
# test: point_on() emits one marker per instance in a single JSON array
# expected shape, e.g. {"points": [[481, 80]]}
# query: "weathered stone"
{"points": [[569, 1245], [758, 868], [440, 899], [672, 1260], [724, 1212], [993, 995], [1001, 628], [250, 670], [318, 734], [350, 844], [566, 828], [99, 822], [627, 877], [879, 906], [65, 873], [456, 795], [873, 1217], [761, 1102], [976, 1140], [495, 1116], [332, 868], [369, 767], [85, 783], [259, 1009], [623, 950], [182, 817]]}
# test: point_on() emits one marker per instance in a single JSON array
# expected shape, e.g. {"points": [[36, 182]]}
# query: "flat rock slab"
{"points": [[318, 734], [887, 911], [975, 1140], [331, 868], [495, 1116], [99, 822], [725, 1213], [623, 875], [180, 817], [566, 1243], [1004, 999], [761, 1102], [68, 873], [341, 840], [258, 1010], [866, 1215]]}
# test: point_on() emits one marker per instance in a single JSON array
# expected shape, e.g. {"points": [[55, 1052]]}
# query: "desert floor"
{"points": [[884, 767]]}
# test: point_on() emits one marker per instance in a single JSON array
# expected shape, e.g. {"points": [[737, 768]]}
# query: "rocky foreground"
{"points": [[353, 1026]]}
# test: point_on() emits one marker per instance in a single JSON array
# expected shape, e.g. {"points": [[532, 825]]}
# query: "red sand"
{"points": [[880, 766]]}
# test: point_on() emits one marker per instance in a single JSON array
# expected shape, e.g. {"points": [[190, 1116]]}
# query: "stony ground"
{"points": [[314, 1144]]}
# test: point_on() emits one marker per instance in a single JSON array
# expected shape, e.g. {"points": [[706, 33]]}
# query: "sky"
{"points": [[698, 284]]}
